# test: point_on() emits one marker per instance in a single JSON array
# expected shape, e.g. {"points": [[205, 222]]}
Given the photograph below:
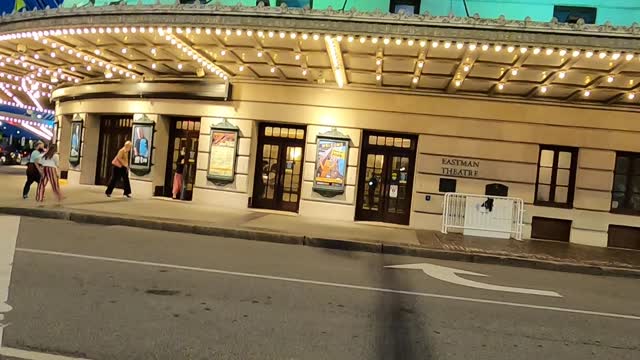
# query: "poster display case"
{"points": [[76, 141], [332, 152], [142, 140], [223, 150]]}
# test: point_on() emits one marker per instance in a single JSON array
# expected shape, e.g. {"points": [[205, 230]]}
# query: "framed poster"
{"points": [[142, 147], [331, 164], [76, 142], [222, 152]]}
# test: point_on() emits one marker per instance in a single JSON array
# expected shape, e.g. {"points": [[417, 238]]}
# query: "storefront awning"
{"points": [[525, 61]]}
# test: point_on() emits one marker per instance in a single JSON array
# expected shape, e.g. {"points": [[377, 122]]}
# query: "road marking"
{"points": [[449, 274], [337, 285], [32, 355], [9, 226]]}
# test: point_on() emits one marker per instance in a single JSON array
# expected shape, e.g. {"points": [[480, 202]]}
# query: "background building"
{"points": [[363, 116]]}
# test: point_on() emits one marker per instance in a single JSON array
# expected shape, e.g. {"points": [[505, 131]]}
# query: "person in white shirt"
{"points": [[49, 162], [33, 174]]}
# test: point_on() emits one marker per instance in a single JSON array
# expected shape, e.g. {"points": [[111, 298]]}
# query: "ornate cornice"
{"points": [[332, 21]]}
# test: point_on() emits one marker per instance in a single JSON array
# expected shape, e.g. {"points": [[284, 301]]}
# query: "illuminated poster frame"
{"points": [[332, 162], [223, 152], [142, 151], [75, 149]]}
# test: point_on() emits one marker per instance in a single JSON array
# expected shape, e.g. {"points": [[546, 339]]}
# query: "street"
{"points": [[111, 292]]}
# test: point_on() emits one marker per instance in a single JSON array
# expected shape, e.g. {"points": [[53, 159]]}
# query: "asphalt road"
{"points": [[101, 292]]}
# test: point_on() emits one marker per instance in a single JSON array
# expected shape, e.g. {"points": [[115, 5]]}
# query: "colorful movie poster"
{"points": [[331, 164], [76, 143], [222, 157], [142, 140]]}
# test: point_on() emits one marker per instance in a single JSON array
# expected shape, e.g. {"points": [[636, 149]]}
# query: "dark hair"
{"points": [[52, 150]]}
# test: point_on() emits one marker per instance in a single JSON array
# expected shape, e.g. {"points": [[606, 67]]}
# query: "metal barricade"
{"points": [[483, 213]]}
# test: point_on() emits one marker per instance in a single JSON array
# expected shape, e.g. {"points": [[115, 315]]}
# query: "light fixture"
{"points": [[497, 48], [223, 52], [411, 42], [500, 86], [510, 49], [549, 51], [420, 64], [259, 53], [363, 39], [629, 57], [458, 83], [399, 42], [153, 66], [124, 50], [108, 74], [241, 68], [485, 47], [631, 96], [514, 72], [459, 45], [415, 79], [273, 69], [434, 44], [472, 47], [563, 52], [386, 41], [96, 51], [298, 56], [589, 54], [543, 89], [602, 54], [378, 61], [536, 51], [447, 44], [466, 68], [562, 74], [587, 93], [179, 66], [615, 56], [378, 77], [523, 49], [576, 53], [610, 79], [304, 72]]}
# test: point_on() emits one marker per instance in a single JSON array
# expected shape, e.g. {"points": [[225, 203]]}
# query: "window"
{"points": [[556, 176], [625, 197], [571, 14], [407, 6]]}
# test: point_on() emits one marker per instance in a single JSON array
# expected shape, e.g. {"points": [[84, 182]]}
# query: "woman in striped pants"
{"points": [[49, 163]]}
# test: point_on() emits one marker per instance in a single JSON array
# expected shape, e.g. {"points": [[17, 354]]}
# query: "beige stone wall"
{"points": [[502, 135], [234, 194]]}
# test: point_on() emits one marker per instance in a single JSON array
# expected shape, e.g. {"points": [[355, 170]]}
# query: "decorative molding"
{"points": [[333, 21]]}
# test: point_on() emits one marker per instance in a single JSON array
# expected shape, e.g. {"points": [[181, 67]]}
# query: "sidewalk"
{"points": [[88, 204]]}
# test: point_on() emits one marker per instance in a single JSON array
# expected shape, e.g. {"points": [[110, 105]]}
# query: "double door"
{"points": [[386, 177], [114, 132], [279, 165], [183, 146]]}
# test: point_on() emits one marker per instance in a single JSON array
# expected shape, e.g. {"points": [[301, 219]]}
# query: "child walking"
{"points": [[49, 163]]}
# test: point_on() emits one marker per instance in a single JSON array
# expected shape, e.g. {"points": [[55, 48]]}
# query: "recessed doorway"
{"points": [[114, 132], [279, 165], [385, 181], [182, 155]]}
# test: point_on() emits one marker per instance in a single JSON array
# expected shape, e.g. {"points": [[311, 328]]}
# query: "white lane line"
{"points": [[9, 226], [32, 355], [337, 285]]}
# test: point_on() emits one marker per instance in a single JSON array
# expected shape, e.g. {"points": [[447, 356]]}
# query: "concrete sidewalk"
{"points": [[88, 204]]}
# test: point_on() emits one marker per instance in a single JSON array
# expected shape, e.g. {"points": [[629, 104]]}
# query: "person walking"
{"points": [[33, 173], [120, 170], [49, 161], [178, 177]]}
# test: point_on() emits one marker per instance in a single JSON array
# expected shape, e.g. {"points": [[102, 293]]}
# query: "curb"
{"points": [[335, 244]]}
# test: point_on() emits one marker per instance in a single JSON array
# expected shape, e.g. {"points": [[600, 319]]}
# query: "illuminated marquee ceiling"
{"points": [[43, 50]]}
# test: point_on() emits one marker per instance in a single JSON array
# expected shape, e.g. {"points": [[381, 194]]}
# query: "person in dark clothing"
{"points": [[121, 171], [178, 177], [33, 173]]}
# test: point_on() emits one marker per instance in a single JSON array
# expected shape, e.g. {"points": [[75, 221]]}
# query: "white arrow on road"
{"points": [[451, 275]]}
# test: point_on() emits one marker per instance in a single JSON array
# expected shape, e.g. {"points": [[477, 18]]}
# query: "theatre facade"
{"points": [[347, 116]]}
